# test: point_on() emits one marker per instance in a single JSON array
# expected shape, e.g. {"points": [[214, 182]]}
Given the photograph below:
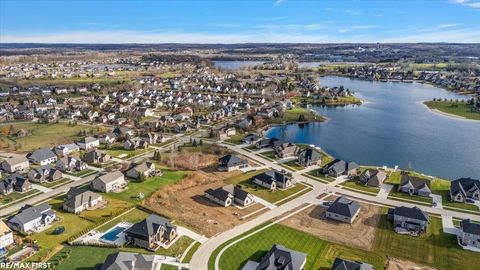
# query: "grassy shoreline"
{"points": [[453, 109]]}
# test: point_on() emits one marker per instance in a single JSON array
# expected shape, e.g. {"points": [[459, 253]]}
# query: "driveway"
{"points": [[448, 227], [384, 190]]}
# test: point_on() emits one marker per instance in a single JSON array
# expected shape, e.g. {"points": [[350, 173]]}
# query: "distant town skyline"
{"points": [[276, 21]]}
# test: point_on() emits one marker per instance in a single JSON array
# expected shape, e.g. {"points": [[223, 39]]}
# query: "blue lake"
{"points": [[393, 127]]}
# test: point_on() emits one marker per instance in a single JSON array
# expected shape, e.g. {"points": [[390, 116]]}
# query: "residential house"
{"points": [[414, 186], [15, 182], [16, 164], [470, 233], [88, 143], [340, 167], [286, 150], [44, 173], [131, 261], [42, 156], [230, 163], [6, 236], [96, 157], [465, 188], [226, 133], [151, 232], [309, 157], [227, 195], [107, 138], [135, 143], [373, 177], [409, 219], [250, 138], [70, 164], [109, 182], [342, 264], [344, 210], [272, 180], [30, 218], [267, 142], [279, 257], [66, 149], [144, 169], [78, 200]]}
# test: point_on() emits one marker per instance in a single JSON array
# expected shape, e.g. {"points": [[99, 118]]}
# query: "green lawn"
{"points": [[400, 196], [356, 185], [455, 108], [83, 173], [292, 165], [147, 187], [293, 115], [15, 196], [118, 151], [433, 248], [43, 135], [236, 139], [132, 216], [190, 253], [321, 253], [59, 182], [317, 173], [112, 209], [269, 155], [168, 267], [243, 180]]}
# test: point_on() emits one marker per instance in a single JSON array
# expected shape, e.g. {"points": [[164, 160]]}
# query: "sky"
{"points": [[276, 21]]}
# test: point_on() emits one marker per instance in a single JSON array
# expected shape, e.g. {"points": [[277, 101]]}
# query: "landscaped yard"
{"points": [[317, 173], [236, 139], [118, 151], [321, 253], [269, 155], [243, 180], [43, 135], [297, 114], [433, 248], [113, 208], [15, 196], [132, 216], [355, 184], [292, 165], [400, 196], [59, 182], [147, 187], [454, 108], [83, 173], [190, 253]]}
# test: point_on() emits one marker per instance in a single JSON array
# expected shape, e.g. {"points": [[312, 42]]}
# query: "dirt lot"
{"points": [[397, 264], [189, 207], [359, 234]]}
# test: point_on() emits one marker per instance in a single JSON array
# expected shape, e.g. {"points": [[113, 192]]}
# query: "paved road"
{"points": [[44, 196], [200, 259]]}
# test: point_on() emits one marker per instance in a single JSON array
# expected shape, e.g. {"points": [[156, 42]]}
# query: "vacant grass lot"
{"points": [[15, 196], [321, 253], [293, 116], [43, 135], [455, 108], [243, 180], [147, 187]]}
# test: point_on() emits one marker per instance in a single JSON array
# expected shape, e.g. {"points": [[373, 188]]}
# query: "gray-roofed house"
{"points": [[465, 188], [272, 180], [230, 163], [227, 195], [410, 219], [78, 200], [109, 182], [280, 258], [414, 186], [15, 182], [130, 261], [70, 164], [66, 149], [16, 164], [250, 138], [136, 171], [96, 157], [373, 177], [44, 173], [309, 156], [286, 150], [340, 167], [88, 143], [30, 218], [342, 264], [343, 209], [470, 233], [151, 233], [42, 156], [135, 143]]}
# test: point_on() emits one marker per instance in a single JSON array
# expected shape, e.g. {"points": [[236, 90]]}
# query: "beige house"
{"points": [[109, 182], [80, 199], [16, 164], [6, 235]]}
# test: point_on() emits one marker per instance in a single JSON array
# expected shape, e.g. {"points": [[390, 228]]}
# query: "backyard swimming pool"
{"points": [[112, 235]]}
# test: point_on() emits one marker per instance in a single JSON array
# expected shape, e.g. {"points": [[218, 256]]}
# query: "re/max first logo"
{"points": [[24, 265]]}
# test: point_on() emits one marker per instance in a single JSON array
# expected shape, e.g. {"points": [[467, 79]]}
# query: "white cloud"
{"points": [[447, 25], [354, 12], [329, 9], [279, 2], [475, 4]]}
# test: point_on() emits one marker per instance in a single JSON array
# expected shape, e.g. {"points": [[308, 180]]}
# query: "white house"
{"points": [[31, 218], [16, 164], [88, 143], [109, 182], [6, 235]]}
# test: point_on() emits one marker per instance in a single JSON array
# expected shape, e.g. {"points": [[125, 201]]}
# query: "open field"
{"points": [[147, 187], [190, 207], [244, 182], [321, 253], [42, 135], [360, 234], [297, 114], [454, 108]]}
